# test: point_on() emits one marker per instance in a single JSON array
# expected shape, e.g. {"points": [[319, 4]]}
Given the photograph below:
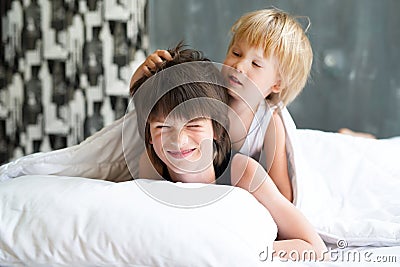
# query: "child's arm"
{"points": [[294, 230], [146, 68], [275, 151]]}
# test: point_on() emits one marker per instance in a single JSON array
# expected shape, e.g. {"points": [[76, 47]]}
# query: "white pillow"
{"points": [[67, 221]]}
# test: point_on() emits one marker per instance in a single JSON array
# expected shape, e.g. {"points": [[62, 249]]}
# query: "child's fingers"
{"points": [[146, 71], [159, 56], [156, 59], [151, 63], [163, 54]]}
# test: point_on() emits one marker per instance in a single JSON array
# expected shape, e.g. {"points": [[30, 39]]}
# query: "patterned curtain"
{"points": [[65, 67]]}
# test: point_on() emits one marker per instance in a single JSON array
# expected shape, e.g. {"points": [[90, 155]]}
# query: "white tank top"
{"points": [[254, 141]]}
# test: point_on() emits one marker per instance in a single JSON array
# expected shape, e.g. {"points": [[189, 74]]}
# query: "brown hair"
{"points": [[188, 76]]}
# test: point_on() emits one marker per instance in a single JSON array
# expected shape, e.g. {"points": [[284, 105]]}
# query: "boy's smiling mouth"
{"points": [[181, 153], [233, 80]]}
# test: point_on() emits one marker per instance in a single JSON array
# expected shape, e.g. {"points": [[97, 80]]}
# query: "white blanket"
{"points": [[347, 187]]}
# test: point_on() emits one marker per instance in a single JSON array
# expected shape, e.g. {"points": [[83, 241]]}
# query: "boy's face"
{"points": [[186, 147], [246, 68]]}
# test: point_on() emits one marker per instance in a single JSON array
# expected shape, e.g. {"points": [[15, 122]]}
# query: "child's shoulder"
{"points": [[277, 121], [276, 125]]}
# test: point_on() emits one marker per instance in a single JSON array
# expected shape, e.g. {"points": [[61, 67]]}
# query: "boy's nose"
{"points": [[239, 66], [179, 139], [183, 139]]}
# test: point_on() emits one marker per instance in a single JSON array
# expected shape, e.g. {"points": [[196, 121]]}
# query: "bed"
{"points": [[68, 221], [51, 214]]}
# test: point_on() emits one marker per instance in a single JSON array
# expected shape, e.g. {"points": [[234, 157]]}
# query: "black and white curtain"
{"points": [[65, 67]]}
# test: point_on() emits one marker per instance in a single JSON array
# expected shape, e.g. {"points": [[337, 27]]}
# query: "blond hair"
{"points": [[280, 35]]}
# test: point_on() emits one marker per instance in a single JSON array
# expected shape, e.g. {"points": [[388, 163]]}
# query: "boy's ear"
{"points": [[276, 88]]}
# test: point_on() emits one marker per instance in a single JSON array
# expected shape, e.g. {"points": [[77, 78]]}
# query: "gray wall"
{"points": [[356, 72]]}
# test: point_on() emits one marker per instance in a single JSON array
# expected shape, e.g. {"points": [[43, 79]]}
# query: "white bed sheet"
{"points": [[348, 187]]}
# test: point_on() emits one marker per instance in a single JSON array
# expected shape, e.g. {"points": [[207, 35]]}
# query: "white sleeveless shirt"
{"points": [[253, 144]]}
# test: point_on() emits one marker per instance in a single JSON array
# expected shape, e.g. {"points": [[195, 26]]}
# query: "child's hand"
{"points": [[148, 67], [154, 60]]}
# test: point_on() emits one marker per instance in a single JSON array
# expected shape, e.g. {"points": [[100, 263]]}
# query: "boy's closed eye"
{"points": [[256, 64], [235, 53], [196, 124], [162, 126]]}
